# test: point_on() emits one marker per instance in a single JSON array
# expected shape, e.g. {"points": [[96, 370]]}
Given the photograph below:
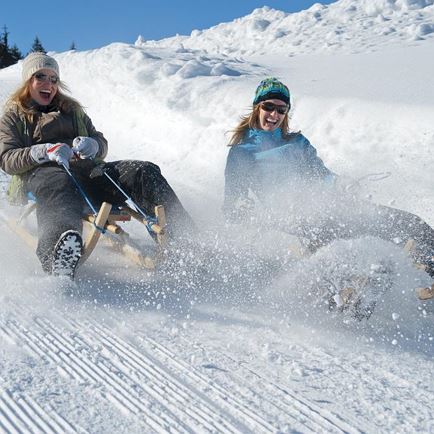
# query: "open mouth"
{"points": [[45, 95], [271, 122]]}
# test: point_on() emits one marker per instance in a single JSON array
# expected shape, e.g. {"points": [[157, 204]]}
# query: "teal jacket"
{"points": [[267, 160]]}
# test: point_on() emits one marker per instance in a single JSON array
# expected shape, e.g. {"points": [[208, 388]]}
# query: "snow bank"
{"points": [[344, 26]]}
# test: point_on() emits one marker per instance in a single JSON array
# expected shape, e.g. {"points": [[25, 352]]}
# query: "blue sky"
{"points": [[95, 23]]}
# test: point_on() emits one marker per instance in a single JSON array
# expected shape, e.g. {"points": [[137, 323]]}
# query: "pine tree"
{"points": [[72, 47], [16, 53], [37, 46], [3, 53], [4, 37], [6, 57]]}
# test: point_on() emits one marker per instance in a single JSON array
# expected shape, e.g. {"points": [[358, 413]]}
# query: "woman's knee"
{"points": [[149, 167], [51, 183]]}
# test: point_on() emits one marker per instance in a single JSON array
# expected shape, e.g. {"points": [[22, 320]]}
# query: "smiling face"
{"points": [[271, 120], [42, 88]]}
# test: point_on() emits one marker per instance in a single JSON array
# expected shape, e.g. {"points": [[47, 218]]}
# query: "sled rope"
{"points": [[86, 198], [374, 177], [150, 221], [370, 177]]}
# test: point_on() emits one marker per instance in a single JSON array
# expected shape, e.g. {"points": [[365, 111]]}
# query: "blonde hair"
{"points": [[21, 99], [251, 120]]}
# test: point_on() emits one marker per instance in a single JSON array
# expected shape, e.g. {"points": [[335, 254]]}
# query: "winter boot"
{"points": [[66, 254]]}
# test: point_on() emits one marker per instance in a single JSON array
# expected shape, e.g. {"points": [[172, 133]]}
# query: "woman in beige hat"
{"points": [[45, 137]]}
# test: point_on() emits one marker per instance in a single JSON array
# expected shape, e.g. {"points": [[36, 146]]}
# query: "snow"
{"points": [[345, 26], [234, 335]]}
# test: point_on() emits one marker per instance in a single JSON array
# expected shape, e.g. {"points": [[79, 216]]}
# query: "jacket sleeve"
{"points": [[99, 137], [14, 151], [314, 166], [295, 157]]}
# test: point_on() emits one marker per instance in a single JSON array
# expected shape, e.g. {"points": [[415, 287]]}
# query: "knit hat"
{"points": [[271, 88], [34, 62]]}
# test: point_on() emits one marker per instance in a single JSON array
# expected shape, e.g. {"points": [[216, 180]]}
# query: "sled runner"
{"points": [[351, 296], [107, 222], [426, 293], [357, 292]]}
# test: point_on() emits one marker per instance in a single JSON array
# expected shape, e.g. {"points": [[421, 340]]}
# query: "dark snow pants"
{"points": [[368, 219], [60, 206]]}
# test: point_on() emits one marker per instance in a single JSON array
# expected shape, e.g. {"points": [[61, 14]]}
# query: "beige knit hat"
{"points": [[34, 62]]}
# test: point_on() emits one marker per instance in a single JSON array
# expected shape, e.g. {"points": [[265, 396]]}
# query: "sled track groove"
{"points": [[134, 382], [52, 346], [198, 406], [287, 401], [301, 415], [19, 414]]}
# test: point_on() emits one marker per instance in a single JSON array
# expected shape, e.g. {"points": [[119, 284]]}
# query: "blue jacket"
{"points": [[270, 159]]}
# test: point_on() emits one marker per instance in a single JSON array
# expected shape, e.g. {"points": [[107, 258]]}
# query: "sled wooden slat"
{"points": [[410, 246], [161, 219], [95, 231], [27, 211], [425, 293], [137, 257], [155, 227], [105, 220], [23, 233], [122, 244], [110, 227]]}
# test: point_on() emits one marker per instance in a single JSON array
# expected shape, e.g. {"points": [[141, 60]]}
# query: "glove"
{"points": [[61, 153], [85, 147]]}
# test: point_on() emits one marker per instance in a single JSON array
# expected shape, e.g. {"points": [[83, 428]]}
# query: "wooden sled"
{"points": [[348, 296], [107, 221], [426, 293]]}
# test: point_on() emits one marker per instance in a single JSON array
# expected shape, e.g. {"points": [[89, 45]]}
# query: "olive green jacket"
{"points": [[17, 134]]}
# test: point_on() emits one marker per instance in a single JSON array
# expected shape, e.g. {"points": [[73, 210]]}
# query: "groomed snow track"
{"points": [[150, 383]]}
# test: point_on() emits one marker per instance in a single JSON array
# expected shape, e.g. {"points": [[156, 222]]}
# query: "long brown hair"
{"points": [[21, 99], [251, 120]]}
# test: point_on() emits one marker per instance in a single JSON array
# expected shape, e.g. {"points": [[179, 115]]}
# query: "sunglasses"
{"points": [[53, 79], [270, 107]]}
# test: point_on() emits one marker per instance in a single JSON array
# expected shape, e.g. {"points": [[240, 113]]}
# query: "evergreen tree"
{"points": [[72, 47], [3, 53], [4, 37], [16, 53], [37, 46], [6, 57]]}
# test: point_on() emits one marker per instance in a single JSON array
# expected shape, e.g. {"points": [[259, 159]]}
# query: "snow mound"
{"points": [[346, 26]]}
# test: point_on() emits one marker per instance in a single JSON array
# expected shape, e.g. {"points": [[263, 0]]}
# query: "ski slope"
{"points": [[231, 336]]}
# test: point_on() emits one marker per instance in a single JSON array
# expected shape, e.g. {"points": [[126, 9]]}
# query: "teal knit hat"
{"points": [[271, 88]]}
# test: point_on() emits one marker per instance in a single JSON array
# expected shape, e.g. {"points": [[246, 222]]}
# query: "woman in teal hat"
{"points": [[266, 161], [264, 153]]}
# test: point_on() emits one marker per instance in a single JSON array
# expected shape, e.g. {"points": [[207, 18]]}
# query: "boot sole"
{"points": [[67, 254]]}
